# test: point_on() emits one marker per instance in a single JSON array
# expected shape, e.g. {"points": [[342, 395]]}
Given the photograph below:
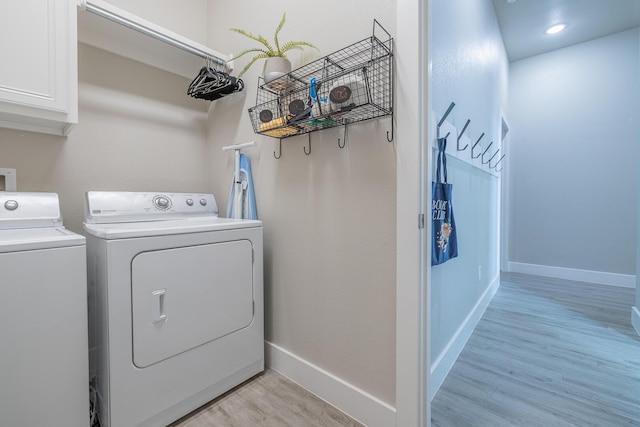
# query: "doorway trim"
{"points": [[504, 208], [412, 275]]}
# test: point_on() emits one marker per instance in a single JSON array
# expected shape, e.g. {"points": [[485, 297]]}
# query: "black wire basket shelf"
{"points": [[348, 86]]}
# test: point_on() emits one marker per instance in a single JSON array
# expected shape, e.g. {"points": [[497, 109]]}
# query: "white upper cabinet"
{"points": [[38, 76]]}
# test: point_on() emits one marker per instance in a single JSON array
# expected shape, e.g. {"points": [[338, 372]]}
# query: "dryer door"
{"points": [[185, 297]]}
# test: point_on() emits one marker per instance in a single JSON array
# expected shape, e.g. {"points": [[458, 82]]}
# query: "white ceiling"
{"points": [[523, 22]]}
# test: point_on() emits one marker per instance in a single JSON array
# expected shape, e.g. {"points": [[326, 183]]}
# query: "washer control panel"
{"points": [[116, 206], [29, 210]]}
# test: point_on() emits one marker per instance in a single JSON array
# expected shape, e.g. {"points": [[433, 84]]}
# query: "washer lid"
{"points": [[28, 239], [29, 210], [127, 230]]}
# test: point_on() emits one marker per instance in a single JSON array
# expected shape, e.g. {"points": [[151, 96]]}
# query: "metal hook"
{"points": [[496, 165], [388, 140], [485, 151], [446, 113], [444, 117], [305, 148], [279, 155], [460, 136], [492, 157], [344, 138], [474, 146]]}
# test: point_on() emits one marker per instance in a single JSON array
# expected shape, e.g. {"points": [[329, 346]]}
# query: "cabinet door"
{"points": [[38, 77]]}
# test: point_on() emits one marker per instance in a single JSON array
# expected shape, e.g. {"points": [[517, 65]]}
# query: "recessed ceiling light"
{"points": [[554, 29], [511, 1]]}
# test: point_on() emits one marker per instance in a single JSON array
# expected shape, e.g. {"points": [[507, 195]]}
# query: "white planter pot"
{"points": [[274, 68]]}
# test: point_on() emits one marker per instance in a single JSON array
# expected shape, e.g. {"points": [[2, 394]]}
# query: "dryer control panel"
{"points": [[120, 206]]}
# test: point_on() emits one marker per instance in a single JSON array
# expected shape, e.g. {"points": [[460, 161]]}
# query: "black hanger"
{"points": [[208, 79], [211, 84]]}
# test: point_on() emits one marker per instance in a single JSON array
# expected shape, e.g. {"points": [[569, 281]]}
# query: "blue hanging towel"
{"points": [[247, 194]]}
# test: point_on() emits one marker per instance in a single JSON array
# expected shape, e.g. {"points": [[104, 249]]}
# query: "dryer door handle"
{"points": [[158, 313]]}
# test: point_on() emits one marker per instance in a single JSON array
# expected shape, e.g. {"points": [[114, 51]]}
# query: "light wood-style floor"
{"points": [[268, 400], [549, 353]]}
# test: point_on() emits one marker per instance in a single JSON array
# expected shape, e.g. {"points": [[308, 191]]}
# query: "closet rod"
{"points": [[149, 32]]}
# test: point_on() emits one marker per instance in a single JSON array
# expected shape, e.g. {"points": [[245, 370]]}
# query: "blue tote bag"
{"points": [[444, 244]]}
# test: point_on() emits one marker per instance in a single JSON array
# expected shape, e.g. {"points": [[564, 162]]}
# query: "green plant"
{"points": [[268, 50]]}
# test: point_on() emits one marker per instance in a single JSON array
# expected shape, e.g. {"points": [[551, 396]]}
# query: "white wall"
{"points": [[186, 17], [470, 69], [329, 218], [574, 157]]}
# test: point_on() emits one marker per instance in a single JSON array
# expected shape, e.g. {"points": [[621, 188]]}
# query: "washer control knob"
{"points": [[203, 202], [11, 205], [162, 202], [189, 202]]}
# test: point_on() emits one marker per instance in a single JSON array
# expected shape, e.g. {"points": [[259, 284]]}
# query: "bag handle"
{"points": [[442, 159]]}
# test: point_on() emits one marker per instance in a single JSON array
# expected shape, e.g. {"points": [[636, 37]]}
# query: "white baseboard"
{"points": [[599, 277], [635, 319], [356, 403], [444, 362]]}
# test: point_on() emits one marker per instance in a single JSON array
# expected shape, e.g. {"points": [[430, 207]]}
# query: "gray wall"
{"points": [[330, 218], [469, 68], [574, 119]]}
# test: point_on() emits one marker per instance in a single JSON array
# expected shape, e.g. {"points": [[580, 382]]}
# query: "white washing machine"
{"points": [[176, 304], [43, 315]]}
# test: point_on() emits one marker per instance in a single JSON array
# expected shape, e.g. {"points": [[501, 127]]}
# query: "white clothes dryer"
{"points": [[44, 372], [175, 304]]}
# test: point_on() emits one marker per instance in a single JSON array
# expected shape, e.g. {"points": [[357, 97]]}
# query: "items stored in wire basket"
{"points": [[350, 85]]}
